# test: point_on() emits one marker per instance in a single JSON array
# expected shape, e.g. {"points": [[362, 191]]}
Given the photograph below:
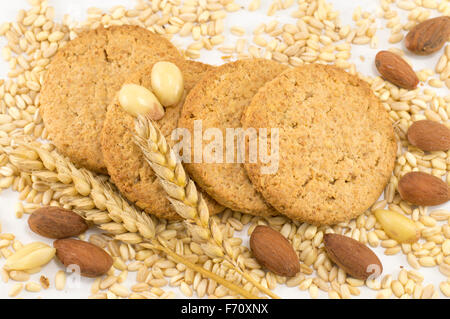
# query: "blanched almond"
{"points": [[397, 226], [167, 82], [30, 256], [138, 100]]}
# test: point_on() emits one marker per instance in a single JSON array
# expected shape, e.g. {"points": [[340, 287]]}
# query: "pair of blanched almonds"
{"points": [[167, 85]]}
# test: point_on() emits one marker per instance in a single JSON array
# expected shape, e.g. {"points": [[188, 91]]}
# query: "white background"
{"points": [[249, 20]]}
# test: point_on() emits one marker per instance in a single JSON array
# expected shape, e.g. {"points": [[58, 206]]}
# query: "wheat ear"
{"points": [[114, 214], [183, 195]]}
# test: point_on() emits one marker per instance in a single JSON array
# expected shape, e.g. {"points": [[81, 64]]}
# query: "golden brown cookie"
{"points": [[82, 80], [123, 158], [336, 144], [219, 100]]}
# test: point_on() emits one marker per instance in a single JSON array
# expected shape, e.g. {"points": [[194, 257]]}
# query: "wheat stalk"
{"points": [[201, 270], [121, 219], [183, 195]]}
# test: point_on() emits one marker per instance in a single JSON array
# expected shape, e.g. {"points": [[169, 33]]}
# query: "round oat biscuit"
{"points": [[336, 144], [126, 165], [82, 80], [219, 100]]}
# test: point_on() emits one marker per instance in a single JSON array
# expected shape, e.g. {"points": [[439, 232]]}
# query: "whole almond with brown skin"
{"points": [[428, 36], [356, 259], [274, 252], [92, 260], [56, 222], [429, 136], [423, 189], [394, 69]]}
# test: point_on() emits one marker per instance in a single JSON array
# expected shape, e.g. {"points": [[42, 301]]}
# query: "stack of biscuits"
{"points": [[335, 143]]}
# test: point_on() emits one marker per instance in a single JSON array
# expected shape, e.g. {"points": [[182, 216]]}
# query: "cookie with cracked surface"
{"points": [[126, 165], [219, 100], [337, 146], [82, 80]]}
